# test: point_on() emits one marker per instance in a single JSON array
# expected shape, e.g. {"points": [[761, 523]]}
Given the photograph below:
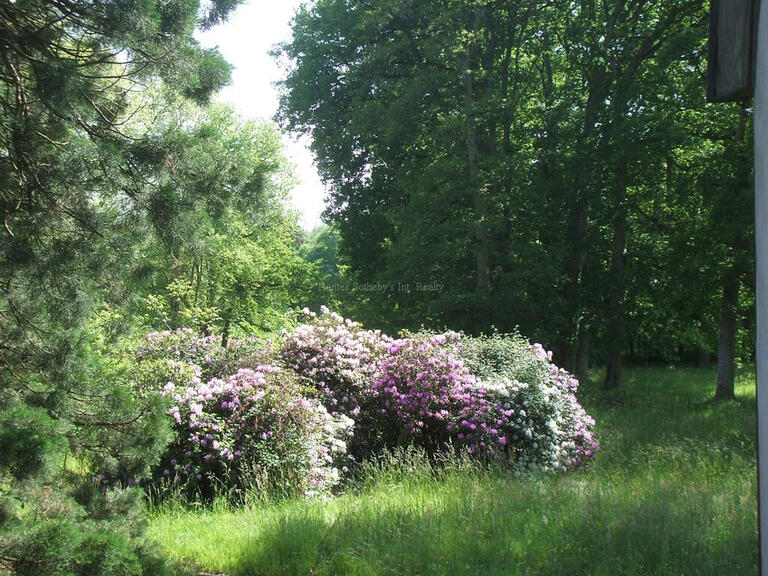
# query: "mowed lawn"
{"points": [[673, 491]]}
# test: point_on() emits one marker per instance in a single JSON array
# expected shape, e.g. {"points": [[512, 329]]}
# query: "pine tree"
{"points": [[70, 175]]}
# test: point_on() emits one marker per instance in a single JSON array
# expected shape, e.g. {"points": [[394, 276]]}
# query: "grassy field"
{"points": [[672, 492]]}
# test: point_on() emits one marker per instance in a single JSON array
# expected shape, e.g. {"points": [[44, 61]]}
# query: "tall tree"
{"points": [[69, 70]]}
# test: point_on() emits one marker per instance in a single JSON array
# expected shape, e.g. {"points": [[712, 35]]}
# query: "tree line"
{"points": [[553, 164]]}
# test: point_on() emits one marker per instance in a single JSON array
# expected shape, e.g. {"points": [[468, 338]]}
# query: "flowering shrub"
{"points": [[498, 397], [286, 418], [150, 376], [253, 430], [337, 357], [422, 388], [530, 404], [240, 421]]}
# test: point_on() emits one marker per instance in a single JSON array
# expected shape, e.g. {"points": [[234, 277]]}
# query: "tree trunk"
{"points": [[726, 348], [616, 320], [578, 219], [198, 280], [582, 356], [572, 289], [482, 267], [225, 332]]}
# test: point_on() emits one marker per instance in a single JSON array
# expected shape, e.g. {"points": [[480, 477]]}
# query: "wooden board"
{"points": [[731, 56]]}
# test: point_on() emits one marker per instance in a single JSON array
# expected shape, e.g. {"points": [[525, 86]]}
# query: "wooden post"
{"points": [[761, 251]]}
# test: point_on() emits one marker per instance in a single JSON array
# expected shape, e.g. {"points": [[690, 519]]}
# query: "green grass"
{"points": [[672, 492]]}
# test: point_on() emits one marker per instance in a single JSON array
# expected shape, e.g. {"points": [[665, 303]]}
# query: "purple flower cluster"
{"points": [[427, 396], [205, 414], [421, 389], [539, 424], [337, 357], [254, 422]]}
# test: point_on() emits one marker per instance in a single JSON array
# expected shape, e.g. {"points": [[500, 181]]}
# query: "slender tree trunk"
{"points": [[506, 113], [572, 289], [199, 279], [480, 202], [225, 330], [726, 348], [616, 327], [582, 355], [578, 219], [176, 273]]}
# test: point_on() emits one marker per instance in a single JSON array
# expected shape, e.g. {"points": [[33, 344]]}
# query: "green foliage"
{"points": [[553, 168], [86, 161], [67, 548], [222, 252], [31, 442], [107, 554], [506, 355], [331, 283], [47, 549]]}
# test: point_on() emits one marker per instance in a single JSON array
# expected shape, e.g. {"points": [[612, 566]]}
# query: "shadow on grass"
{"points": [[664, 408], [563, 527]]}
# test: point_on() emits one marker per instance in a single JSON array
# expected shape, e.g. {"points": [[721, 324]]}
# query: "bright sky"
{"points": [[245, 40]]}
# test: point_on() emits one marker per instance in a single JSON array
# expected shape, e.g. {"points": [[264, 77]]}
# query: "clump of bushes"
{"points": [[254, 427], [290, 418], [55, 517], [335, 356], [530, 402]]}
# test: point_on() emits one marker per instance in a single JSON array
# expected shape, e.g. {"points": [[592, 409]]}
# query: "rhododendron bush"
{"points": [[294, 415], [340, 361], [422, 389], [254, 427], [531, 404], [337, 356]]}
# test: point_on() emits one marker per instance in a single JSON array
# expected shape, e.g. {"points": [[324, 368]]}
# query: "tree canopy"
{"points": [[553, 165]]}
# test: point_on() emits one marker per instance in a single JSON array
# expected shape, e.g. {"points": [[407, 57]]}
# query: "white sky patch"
{"points": [[245, 41]]}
